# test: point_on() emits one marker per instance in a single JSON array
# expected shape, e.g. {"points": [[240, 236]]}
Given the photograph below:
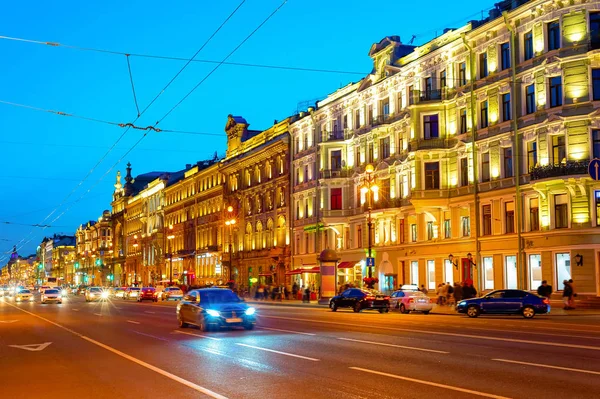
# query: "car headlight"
{"points": [[462, 303], [104, 295], [213, 313], [18, 298], [250, 311], [31, 298], [64, 292]]}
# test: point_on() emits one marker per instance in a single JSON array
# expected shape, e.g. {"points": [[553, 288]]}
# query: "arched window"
{"points": [[269, 233], [281, 232], [259, 242], [248, 243]]}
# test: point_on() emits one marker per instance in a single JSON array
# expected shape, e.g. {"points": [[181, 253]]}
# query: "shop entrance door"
{"points": [[467, 270]]}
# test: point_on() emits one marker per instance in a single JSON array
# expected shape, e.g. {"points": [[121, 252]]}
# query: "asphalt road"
{"points": [[121, 349]]}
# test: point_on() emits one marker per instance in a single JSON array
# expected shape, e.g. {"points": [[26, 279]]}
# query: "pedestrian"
{"points": [[545, 290], [449, 294], [573, 294], [439, 294], [306, 296], [423, 289], [260, 292], [458, 294], [468, 291], [294, 290], [567, 294]]}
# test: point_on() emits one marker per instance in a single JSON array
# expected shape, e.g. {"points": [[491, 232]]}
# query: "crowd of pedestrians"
{"points": [[451, 294]]}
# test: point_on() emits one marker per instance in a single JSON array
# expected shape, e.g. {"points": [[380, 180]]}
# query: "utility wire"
{"points": [[132, 86]]}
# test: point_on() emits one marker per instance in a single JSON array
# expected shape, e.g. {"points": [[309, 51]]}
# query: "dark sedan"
{"points": [[358, 300], [147, 294], [214, 308], [505, 302]]}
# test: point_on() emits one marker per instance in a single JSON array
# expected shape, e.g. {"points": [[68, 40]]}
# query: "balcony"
{"points": [[568, 168], [336, 135], [389, 203], [428, 144], [334, 173], [419, 96]]}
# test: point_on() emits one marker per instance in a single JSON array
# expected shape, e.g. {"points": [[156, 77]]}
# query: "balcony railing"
{"points": [[389, 203], [338, 134], [334, 173], [419, 96], [427, 144], [569, 168]]}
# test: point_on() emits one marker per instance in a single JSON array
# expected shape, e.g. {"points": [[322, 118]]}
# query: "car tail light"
{"points": [[370, 298], [411, 300], [546, 301], [386, 297]]}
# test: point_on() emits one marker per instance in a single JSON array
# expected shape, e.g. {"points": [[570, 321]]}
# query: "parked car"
{"points": [[171, 293], [95, 294], [505, 302], [410, 301], [119, 292], [51, 295], [147, 294], [214, 308], [24, 295], [359, 300], [131, 292]]}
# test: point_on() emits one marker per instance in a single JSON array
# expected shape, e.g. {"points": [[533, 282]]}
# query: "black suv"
{"points": [[358, 300]]}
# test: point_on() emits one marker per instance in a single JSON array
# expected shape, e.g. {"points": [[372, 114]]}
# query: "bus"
{"points": [[52, 282]]}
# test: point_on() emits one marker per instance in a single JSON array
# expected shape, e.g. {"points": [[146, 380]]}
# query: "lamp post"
{"points": [[230, 222], [451, 259], [169, 238], [369, 188], [135, 245]]}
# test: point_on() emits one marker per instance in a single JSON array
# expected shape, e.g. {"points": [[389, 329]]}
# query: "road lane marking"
{"points": [[433, 384], [76, 310], [393, 345], [289, 331], [548, 366], [279, 352], [196, 335], [133, 322], [8, 321], [479, 337], [150, 312], [32, 347], [149, 335], [98, 314], [149, 366]]}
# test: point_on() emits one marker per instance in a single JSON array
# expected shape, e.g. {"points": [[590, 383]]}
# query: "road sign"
{"points": [[370, 262], [594, 169]]}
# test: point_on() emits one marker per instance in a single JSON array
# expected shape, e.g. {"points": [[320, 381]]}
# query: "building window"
{"points": [[431, 126], [443, 79], [595, 30], [336, 160], [555, 91], [488, 273], [597, 198], [596, 143], [356, 119], [430, 230], [561, 211], [465, 224], [428, 87], [357, 156], [505, 56], [563, 268], [414, 272], [508, 162], [487, 220], [558, 149], [401, 230], [448, 271], [506, 106], [385, 108], [413, 232], [510, 264], [509, 217], [484, 114], [530, 99], [535, 271], [447, 229], [298, 211], [431, 275], [528, 45], [483, 65], [596, 84], [464, 171], [485, 167], [336, 198], [462, 73], [432, 175], [463, 120], [370, 154], [534, 214], [400, 147], [531, 154], [384, 148], [399, 102], [553, 29], [359, 237]]}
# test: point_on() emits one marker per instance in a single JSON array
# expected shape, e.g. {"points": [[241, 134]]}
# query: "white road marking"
{"points": [[531, 332], [433, 384], [196, 335], [548, 366], [279, 352], [98, 314], [150, 312], [288, 331], [162, 372], [133, 322], [393, 345], [479, 337], [149, 335], [76, 310], [32, 347], [8, 321]]}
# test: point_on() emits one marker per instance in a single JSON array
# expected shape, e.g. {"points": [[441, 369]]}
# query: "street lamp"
{"points": [[230, 222], [369, 188], [135, 245], [169, 238], [451, 259]]}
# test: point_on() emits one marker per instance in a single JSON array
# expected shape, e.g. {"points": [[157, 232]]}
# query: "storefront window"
{"points": [[431, 274], [488, 273], [414, 272], [448, 271], [563, 269], [535, 271], [510, 264]]}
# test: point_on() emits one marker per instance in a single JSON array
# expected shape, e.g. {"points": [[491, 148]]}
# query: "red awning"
{"points": [[347, 265], [314, 269], [265, 275]]}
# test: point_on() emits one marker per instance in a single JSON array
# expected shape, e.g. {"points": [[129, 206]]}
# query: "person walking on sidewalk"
{"points": [[545, 290], [573, 294], [567, 294], [458, 294]]}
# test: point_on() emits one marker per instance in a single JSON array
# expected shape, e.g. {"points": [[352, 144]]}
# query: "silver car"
{"points": [[410, 301], [51, 295]]}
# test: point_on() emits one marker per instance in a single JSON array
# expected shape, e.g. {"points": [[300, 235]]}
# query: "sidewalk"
{"points": [[556, 308]]}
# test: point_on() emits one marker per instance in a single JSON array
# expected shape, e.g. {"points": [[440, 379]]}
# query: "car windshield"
{"points": [[173, 289], [416, 293], [134, 289], [95, 290], [148, 289], [25, 292], [51, 292], [220, 296]]}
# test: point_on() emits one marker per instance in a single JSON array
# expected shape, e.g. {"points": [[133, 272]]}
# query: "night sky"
{"points": [[46, 156]]}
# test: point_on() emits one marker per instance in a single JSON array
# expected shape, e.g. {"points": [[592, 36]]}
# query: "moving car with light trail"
{"points": [[171, 293], [214, 308], [410, 301], [51, 295], [95, 294], [359, 300], [505, 302], [24, 295]]}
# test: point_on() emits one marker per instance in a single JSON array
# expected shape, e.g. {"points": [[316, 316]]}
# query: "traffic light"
{"points": [[76, 265], [98, 262], [40, 266], [110, 277]]}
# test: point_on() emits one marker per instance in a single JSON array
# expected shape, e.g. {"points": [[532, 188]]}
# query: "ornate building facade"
{"points": [[480, 141]]}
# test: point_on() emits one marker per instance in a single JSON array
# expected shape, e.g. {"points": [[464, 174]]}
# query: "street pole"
{"points": [[370, 227]]}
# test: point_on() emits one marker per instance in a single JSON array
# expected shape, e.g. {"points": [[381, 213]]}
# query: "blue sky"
{"points": [[45, 156]]}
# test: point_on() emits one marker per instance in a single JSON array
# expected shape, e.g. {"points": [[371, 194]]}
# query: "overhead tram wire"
{"points": [[21, 243]]}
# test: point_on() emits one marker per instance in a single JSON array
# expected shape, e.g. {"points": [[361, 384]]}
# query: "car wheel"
{"points": [[403, 309], [381, 310], [333, 306], [397, 306], [528, 312], [473, 311], [426, 312], [182, 324], [357, 307], [203, 325], [387, 310], [249, 326]]}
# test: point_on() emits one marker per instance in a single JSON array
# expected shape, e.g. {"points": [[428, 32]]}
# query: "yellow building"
{"points": [[480, 141]]}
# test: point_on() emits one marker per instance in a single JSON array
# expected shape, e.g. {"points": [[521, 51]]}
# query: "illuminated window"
{"points": [[528, 45], [431, 274], [465, 224], [509, 217], [432, 175], [534, 214], [430, 230], [414, 272], [483, 113], [487, 219], [506, 106], [483, 65], [485, 167], [535, 271], [563, 268], [531, 154], [413, 232], [558, 149], [510, 265], [505, 56], [555, 84], [384, 148], [553, 31]]}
